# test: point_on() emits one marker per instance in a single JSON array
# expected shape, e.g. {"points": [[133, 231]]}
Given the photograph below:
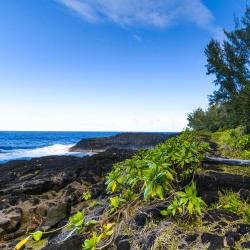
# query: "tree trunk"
{"points": [[231, 162]]}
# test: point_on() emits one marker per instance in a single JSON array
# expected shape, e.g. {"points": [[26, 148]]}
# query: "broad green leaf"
{"points": [[147, 191], [159, 191], [37, 235]]}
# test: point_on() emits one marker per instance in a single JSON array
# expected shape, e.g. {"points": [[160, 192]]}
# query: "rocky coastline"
{"points": [[43, 192], [133, 141]]}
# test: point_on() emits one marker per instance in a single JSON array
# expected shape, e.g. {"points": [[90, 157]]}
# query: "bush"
{"points": [[154, 172]]}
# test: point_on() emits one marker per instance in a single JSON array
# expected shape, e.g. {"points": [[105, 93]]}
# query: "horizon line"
{"points": [[101, 131]]}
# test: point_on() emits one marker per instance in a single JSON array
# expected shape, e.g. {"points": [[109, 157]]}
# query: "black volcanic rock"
{"points": [[42, 191], [124, 140]]}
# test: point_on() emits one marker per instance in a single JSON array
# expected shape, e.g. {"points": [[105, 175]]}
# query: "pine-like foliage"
{"points": [[229, 61]]}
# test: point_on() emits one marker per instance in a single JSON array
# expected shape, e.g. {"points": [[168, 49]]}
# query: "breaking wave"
{"points": [[56, 149]]}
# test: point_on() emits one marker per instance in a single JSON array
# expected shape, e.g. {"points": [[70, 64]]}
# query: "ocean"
{"points": [[27, 145]]}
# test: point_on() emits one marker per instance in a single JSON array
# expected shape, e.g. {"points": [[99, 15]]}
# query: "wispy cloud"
{"points": [[157, 13], [137, 37]]}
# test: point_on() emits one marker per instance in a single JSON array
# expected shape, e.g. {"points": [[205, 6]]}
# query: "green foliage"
{"points": [[232, 202], [37, 235], [233, 143], [76, 222], [156, 180], [94, 203], [186, 203], [216, 117], [91, 243], [115, 203], [173, 208], [229, 62], [153, 173], [129, 195], [86, 196]]}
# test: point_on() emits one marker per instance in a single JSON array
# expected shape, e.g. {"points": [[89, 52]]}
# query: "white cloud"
{"points": [[156, 13]]}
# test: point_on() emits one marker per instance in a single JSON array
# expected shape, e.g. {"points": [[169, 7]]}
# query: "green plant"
{"points": [[86, 195], [231, 202], [186, 203], [157, 180], [94, 203], [76, 222], [115, 203], [152, 173], [233, 143], [91, 243], [148, 175]]}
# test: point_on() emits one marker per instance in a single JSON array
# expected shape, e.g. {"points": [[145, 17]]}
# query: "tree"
{"points": [[229, 61], [213, 119]]}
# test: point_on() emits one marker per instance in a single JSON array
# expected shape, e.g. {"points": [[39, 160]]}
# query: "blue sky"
{"points": [[104, 65]]}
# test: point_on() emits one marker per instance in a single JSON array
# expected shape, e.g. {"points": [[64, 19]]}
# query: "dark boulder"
{"points": [[210, 182]]}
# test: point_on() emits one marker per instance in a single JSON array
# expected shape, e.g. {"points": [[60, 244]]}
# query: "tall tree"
{"points": [[229, 61]]}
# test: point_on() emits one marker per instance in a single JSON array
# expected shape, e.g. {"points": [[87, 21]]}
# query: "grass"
{"points": [[231, 201], [232, 143]]}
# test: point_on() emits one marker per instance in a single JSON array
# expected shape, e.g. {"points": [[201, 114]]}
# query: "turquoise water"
{"points": [[27, 145]]}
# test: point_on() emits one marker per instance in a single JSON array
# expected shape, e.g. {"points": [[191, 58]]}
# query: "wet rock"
{"points": [[215, 241]]}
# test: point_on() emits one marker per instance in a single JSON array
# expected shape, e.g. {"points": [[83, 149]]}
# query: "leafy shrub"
{"points": [[152, 173], [186, 203]]}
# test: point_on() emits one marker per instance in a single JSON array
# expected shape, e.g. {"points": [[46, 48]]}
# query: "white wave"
{"points": [[56, 149]]}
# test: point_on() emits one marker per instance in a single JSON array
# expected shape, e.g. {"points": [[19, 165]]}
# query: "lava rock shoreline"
{"points": [[133, 141], [42, 193]]}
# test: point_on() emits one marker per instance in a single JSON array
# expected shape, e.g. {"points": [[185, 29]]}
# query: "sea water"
{"points": [[27, 145]]}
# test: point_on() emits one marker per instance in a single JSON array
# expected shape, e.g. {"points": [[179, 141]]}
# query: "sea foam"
{"points": [[56, 149]]}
